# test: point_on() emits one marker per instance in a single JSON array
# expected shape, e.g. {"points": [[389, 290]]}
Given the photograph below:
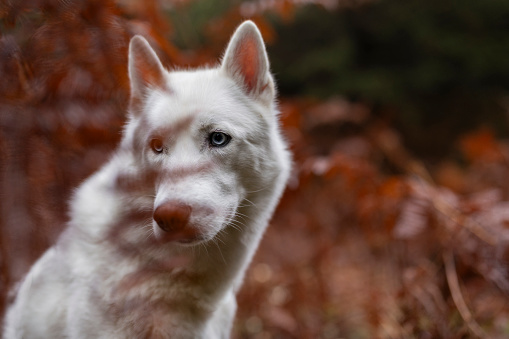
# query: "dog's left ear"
{"points": [[145, 70], [246, 61]]}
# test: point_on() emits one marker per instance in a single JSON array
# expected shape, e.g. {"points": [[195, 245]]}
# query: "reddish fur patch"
{"points": [[175, 129]]}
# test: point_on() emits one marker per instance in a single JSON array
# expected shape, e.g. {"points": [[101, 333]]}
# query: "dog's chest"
{"points": [[153, 303]]}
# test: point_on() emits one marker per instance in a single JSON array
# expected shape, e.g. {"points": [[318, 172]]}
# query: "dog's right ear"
{"points": [[145, 71]]}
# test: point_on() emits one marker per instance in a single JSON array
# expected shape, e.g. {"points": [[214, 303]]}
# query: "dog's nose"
{"points": [[172, 216]]}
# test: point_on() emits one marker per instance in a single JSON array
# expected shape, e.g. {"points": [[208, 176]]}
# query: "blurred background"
{"points": [[396, 221]]}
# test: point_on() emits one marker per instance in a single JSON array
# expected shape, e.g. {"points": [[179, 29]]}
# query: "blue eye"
{"points": [[219, 139]]}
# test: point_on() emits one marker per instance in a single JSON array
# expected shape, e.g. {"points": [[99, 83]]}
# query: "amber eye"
{"points": [[156, 145]]}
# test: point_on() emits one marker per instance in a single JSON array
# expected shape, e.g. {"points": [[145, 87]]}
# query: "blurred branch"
{"points": [[457, 297], [461, 219]]}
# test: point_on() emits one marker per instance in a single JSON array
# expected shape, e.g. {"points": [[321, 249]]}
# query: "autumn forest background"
{"points": [[396, 221]]}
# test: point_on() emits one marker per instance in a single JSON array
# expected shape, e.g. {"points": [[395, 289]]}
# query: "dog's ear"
{"points": [[145, 70], [246, 61]]}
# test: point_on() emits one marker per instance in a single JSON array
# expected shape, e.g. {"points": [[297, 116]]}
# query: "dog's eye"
{"points": [[156, 145], [219, 139]]}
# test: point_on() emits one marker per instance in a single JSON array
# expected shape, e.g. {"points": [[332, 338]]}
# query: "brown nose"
{"points": [[172, 216]]}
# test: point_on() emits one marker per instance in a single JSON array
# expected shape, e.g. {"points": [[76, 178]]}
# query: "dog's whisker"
{"points": [[243, 216], [258, 190], [251, 203], [220, 252], [237, 226]]}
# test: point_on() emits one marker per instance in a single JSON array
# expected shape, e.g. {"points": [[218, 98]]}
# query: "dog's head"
{"points": [[209, 137]]}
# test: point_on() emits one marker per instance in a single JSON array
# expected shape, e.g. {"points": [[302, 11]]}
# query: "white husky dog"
{"points": [[159, 239]]}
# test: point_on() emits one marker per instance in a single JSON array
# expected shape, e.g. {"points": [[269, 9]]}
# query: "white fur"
{"points": [[111, 273]]}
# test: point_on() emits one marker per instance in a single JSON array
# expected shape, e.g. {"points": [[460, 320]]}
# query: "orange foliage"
{"points": [[481, 146]]}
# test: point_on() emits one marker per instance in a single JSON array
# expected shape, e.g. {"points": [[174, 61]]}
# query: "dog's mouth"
{"points": [[192, 242], [188, 236]]}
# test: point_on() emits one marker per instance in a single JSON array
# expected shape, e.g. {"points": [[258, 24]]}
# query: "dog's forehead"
{"points": [[199, 96]]}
